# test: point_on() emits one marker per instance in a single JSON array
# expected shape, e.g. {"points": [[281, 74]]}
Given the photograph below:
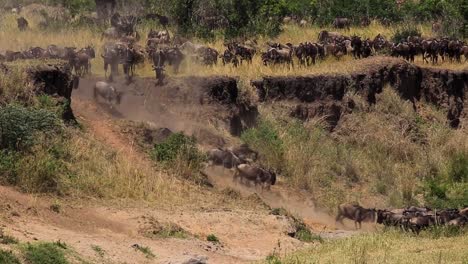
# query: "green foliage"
{"points": [[99, 251], [75, 6], [407, 30], [44, 253], [19, 126], [7, 257], [146, 251], [449, 189], [175, 145], [212, 238], [266, 140]]}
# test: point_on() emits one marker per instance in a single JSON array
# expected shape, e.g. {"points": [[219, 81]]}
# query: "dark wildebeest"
{"points": [[108, 92], [356, 213], [464, 52], [229, 57], [83, 59], [341, 22], [225, 158], [391, 218], [417, 223], [255, 174], [365, 21], [356, 44], [23, 24]]}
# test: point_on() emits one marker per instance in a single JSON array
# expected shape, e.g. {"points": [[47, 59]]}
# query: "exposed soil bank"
{"points": [[324, 95], [57, 81]]}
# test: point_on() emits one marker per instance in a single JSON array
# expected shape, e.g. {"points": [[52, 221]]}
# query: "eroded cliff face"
{"points": [[56, 81], [324, 95]]}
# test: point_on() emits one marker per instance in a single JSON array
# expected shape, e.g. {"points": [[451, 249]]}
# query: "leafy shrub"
{"points": [[180, 154], [266, 140], [19, 126], [449, 189], [175, 145], [44, 253], [212, 238], [407, 30], [7, 257]]}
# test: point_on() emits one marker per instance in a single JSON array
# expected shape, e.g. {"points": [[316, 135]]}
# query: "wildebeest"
{"points": [[225, 158], [356, 213], [341, 22], [204, 54], [245, 153], [356, 44], [112, 54], [82, 60], [229, 57], [245, 52], [303, 23], [277, 56], [255, 174], [328, 37], [108, 92], [23, 24]]}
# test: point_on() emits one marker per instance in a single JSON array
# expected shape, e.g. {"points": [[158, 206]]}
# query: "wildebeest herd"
{"points": [[242, 160], [412, 218], [122, 48]]}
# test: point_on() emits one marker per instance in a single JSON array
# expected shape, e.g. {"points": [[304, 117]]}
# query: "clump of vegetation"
{"points": [[6, 239], [7, 257], [179, 153], [99, 251], [212, 238], [145, 250], [19, 126], [406, 30], [44, 253], [449, 188]]}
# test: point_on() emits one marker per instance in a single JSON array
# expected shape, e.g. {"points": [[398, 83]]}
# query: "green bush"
{"points": [[7, 257], [177, 145], [407, 30], [44, 253], [19, 126], [266, 140], [449, 189], [212, 238]]}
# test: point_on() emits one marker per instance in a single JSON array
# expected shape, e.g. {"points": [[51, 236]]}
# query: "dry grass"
{"points": [[388, 247]]}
